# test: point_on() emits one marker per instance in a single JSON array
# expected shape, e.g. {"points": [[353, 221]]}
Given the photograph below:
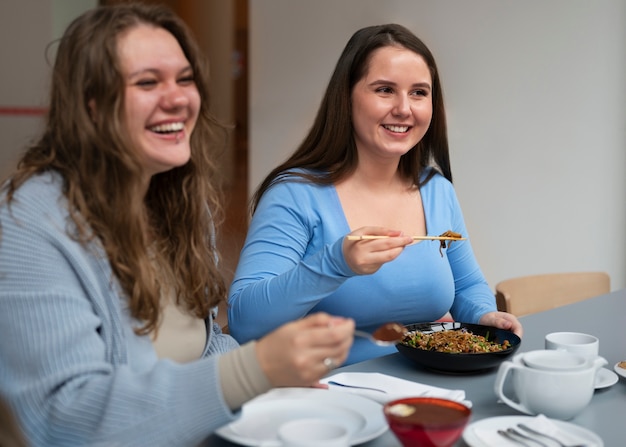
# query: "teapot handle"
{"points": [[599, 362], [503, 371]]}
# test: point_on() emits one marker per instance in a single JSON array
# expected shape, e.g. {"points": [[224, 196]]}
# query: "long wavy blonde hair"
{"points": [[174, 224]]}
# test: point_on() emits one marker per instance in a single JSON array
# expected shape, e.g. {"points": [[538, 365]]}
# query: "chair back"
{"points": [[535, 293]]}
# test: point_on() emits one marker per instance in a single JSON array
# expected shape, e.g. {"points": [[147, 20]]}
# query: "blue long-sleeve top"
{"points": [[71, 366], [292, 264]]}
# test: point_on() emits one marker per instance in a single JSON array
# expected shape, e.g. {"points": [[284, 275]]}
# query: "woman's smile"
{"points": [[161, 98], [392, 103]]}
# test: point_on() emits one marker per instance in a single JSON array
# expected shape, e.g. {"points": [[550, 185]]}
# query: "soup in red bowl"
{"points": [[427, 421]]}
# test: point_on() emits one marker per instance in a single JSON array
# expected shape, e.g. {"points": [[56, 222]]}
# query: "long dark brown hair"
{"points": [[175, 222], [328, 152]]}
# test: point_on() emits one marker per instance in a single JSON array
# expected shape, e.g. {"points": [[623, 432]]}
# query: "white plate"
{"points": [[619, 370], [496, 423], [605, 378], [262, 416]]}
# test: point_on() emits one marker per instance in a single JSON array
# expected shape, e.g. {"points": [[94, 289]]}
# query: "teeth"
{"points": [[166, 128], [400, 129]]}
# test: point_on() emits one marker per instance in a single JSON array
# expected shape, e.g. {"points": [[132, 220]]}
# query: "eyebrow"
{"points": [[424, 85], [156, 71]]}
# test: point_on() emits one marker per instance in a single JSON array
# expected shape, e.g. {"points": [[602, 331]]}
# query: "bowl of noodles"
{"points": [[455, 347]]}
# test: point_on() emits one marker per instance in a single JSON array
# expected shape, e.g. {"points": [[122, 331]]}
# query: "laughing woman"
{"points": [[109, 275]]}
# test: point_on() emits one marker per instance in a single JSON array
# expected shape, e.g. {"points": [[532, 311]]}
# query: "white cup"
{"points": [[575, 342], [313, 432], [555, 383]]}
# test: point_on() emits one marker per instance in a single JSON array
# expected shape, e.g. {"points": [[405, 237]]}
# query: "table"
{"points": [[603, 316]]}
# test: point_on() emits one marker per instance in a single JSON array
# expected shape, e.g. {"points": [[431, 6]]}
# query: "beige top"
{"points": [[181, 337]]}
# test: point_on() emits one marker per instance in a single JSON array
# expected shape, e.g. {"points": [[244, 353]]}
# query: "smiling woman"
{"points": [[398, 80], [331, 224], [112, 322], [161, 98]]}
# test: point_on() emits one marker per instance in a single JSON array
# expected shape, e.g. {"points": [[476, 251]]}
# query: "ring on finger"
{"points": [[329, 363]]}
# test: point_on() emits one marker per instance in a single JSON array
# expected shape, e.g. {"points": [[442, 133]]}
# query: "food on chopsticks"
{"points": [[454, 341], [451, 234], [442, 243], [445, 238], [448, 236]]}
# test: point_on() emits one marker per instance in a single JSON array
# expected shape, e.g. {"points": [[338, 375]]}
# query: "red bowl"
{"points": [[426, 421]]}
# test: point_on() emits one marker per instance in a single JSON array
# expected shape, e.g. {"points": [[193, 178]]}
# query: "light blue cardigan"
{"points": [[71, 366]]}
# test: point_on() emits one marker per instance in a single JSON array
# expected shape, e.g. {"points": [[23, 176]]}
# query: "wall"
{"points": [[27, 27], [536, 101], [534, 90], [212, 24]]}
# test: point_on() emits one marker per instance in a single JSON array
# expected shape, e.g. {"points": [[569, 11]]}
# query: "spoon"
{"points": [[386, 335]]}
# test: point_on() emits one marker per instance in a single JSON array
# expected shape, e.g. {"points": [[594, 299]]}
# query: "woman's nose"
{"points": [[174, 97], [402, 106]]}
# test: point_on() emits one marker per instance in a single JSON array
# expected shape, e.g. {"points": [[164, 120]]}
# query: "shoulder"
{"points": [[38, 202], [439, 197], [40, 190], [298, 185], [437, 182]]}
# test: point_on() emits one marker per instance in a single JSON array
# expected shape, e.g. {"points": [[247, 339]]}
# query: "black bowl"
{"points": [[460, 362]]}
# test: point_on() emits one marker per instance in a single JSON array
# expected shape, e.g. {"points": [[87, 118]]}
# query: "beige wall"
{"points": [[27, 27], [536, 102], [535, 92]]}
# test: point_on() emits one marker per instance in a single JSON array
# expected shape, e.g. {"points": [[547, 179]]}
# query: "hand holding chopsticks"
{"points": [[364, 237], [445, 237]]}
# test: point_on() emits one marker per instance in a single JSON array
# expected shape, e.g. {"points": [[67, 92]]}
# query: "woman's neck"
{"points": [[381, 178]]}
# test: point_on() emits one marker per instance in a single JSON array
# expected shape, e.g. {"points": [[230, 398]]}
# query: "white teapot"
{"points": [[557, 384]]}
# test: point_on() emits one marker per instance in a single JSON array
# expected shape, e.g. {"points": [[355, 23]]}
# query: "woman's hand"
{"points": [[366, 256], [502, 320], [301, 352]]}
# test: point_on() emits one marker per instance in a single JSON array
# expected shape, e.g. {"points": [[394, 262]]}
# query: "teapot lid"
{"points": [[554, 360]]}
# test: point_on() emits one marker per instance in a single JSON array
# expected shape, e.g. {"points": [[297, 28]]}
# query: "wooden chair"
{"points": [[529, 294]]}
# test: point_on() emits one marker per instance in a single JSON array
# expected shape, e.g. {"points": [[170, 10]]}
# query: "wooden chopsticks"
{"points": [[415, 238]]}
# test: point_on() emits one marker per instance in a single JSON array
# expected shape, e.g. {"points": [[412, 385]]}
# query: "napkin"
{"points": [[490, 437], [393, 387]]}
